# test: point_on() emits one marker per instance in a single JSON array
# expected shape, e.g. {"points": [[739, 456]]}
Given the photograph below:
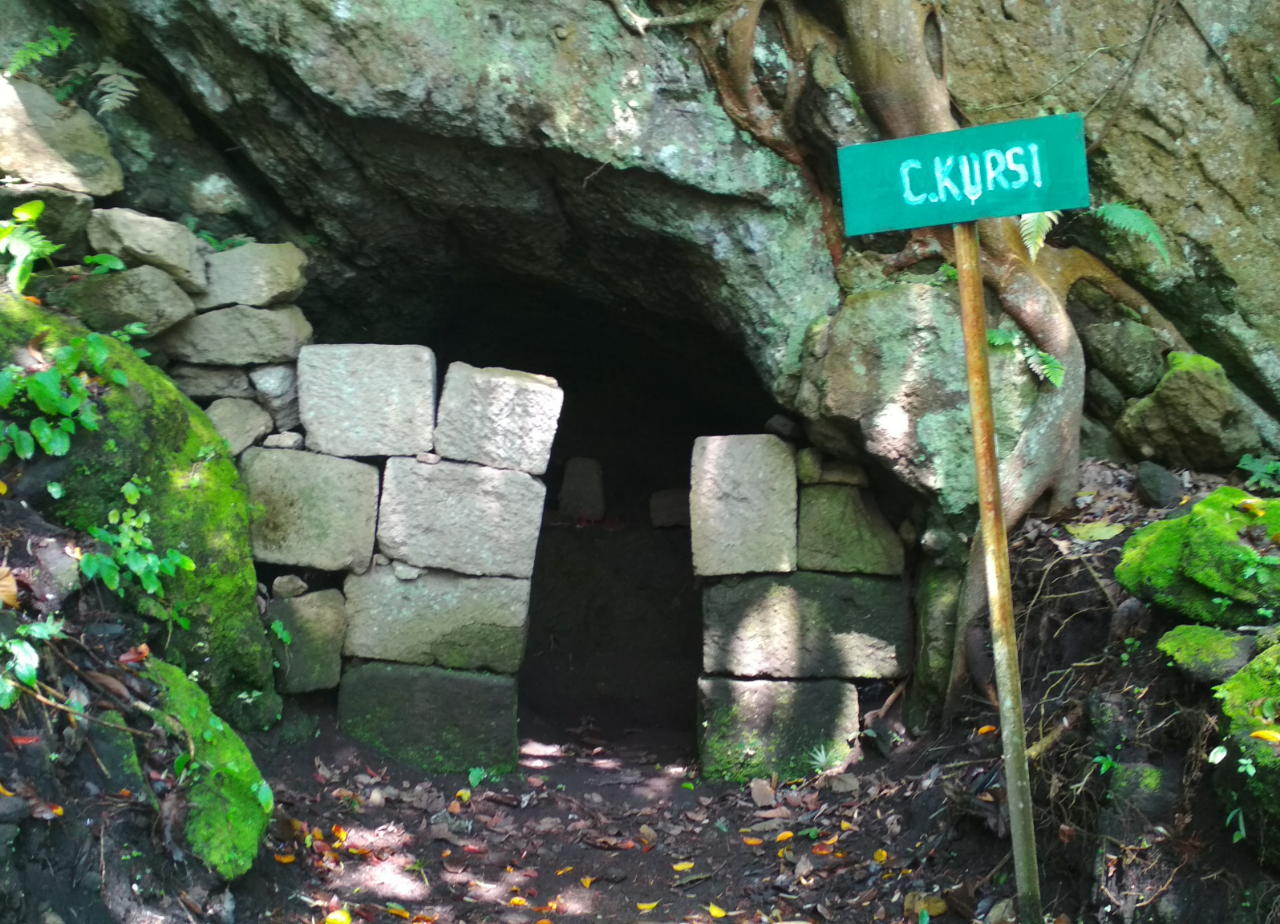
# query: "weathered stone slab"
{"points": [[755, 728], [316, 625], [582, 491], [288, 585], [317, 511], [144, 295], [742, 506], [806, 625], [286, 440], [669, 507], [442, 721], [239, 335], [367, 399], [437, 617], [239, 421], [210, 381], [143, 239], [498, 417], [277, 390], [44, 142], [466, 518], [254, 274], [842, 530]]}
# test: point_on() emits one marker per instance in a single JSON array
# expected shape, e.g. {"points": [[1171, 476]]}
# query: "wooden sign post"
{"points": [[956, 178]]}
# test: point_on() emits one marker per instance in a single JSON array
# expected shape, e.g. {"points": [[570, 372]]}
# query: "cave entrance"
{"points": [[614, 626]]}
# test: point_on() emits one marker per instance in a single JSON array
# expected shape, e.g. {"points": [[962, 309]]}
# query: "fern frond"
{"points": [[59, 40], [1045, 365], [116, 88], [1132, 220], [998, 338], [1035, 228]]}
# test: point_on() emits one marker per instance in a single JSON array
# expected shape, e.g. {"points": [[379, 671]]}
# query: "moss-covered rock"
{"points": [[1206, 565], [1248, 699], [229, 803], [1205, 654], [197, 505]]}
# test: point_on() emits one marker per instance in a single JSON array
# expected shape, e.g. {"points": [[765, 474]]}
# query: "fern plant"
{"points": [[1035, 228], [1119, 215], [116, 87], [30, 53], [24, 244]]}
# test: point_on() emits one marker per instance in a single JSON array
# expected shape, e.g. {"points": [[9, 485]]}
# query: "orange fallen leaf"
{"points": [[463, 794], [845, 826], [681, 867], [398, 912], [879, 856], [646, 906], [543, 921], [8, 587], [586, 881], [56, 809], [454, 807], [716, 911], [1266, 734], [339, 835], [285, 858], [358, 851], [338, 917], [823, 850], [567, 869], [752, 841], [783, 836], [24, 739], [135, 655], [986, 729], [517, 901]]}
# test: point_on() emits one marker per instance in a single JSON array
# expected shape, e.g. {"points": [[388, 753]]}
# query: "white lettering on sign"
{"points": [[978, 173]]}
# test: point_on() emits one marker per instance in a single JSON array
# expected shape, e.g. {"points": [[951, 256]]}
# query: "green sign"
{"points": [[1007, 168]]}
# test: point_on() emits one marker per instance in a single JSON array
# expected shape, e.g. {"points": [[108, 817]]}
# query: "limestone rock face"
{"points": [[465, 518], [114, 300], [254, 274], [367, 399], [803, 625], [316, 625], [755, 728], [239, 421], [210, 381], [48, 144], [742, 506], [498, 417], [460, 719], [437, 617], [841, 529], [238, 335], [1192, 419], [318, 511], [143, 239]]}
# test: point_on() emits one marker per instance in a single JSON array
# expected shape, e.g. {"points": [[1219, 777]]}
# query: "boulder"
{"points": [[239, 335], [142, 239], [498, 417], [277, 390], [210, 381], [1205, 654], [288, 585], [1192, 419], [742, 505], [460, 719], [669, 507], [755, 728], [239, 421], [582, 490], [65, 212], [1130, 354], [315, 626], [437, 617], [842, 530], [253, 274], [465, 518], [112, 301], [48, 144], [367, 399], [801, 625], [1156, 486], [316, 511], [1102, 398]]}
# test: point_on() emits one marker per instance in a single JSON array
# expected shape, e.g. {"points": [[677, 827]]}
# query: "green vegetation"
{"points": [[1264, 472], [59, 40], [113, 89], [1123, 217], [103, 263], [23, 244], [130, 551], [1045, 365], [24, 659]]}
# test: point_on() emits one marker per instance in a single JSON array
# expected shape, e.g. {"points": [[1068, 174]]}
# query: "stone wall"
{"points": [[806, 596]]}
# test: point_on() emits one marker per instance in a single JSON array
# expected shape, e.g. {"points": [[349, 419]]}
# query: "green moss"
{"points": [[1193, 362], [197, 505], [1199, 646], [118, 754], [1246, 698], [1197, 565], [229, 801]]}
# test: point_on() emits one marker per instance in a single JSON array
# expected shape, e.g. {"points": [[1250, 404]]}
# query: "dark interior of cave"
{"points": [[615, 626]]}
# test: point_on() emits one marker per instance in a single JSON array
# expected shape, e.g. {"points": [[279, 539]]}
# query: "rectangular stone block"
{"points": [[498, 417], [316, 511], [239, 421], [367, 399], [138, 238], [742, 505], [466, 518], [144, 295], [210, 381], [755, 728], [316, 625], [236, 336], [841, 529], [253, 274], [442, 721], [437, 617], [805, 625]]}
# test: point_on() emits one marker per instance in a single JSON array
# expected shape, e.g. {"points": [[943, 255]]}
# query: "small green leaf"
{"points": [[29, 211], [106, 261], [26, 661], [130, 491], [55, 490], [999, 338], [118, 376], [1135, 221]]}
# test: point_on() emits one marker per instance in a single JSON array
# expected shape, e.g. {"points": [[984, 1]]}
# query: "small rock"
{"points": [[44, 142], [286, 440], [1158, 487], [405, 572], [210, 381], [254, 274], [783, 426], [110, 302], [288, 585], [65, 212], [582, 491], [277, 388], [428, 458], [1205, 654], [315, 625], [141, 239], [743, 505], [240, 422]]}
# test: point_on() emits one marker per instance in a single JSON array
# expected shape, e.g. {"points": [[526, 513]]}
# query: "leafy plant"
{"points": [[476, 776], [103, 263], [1238, 835], [130, 552], [280, 632], [128, 332], [23, 659], [238, 240], [30, 53], [998, 338], [1264, 472], [1104, 763], [24, 244], [1045, 365], [1036, 226], [115, 88], [821, 760]]}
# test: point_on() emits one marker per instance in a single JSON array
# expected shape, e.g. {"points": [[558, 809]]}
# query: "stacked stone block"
{"points": [[808, 598]]}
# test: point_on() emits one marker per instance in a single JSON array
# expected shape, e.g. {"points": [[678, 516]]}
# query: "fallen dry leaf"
{"points": [[586, 881], [879, 856], [716, 911], [762, 793], [915, 902], [752, 841], [646, 906], [8, 587], [681, 867], [1266, 734], [784, 836]]}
